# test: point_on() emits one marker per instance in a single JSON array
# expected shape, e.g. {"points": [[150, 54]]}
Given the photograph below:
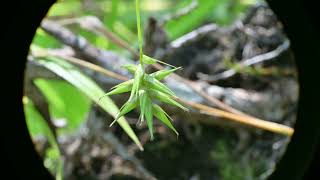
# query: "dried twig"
{"points": [[191, 35], [248, 62], [91, 66], [251, 121], [92, 23], [182, 12]]}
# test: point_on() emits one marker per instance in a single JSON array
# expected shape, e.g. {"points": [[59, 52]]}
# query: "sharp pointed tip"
{"points": [[113, 122]]}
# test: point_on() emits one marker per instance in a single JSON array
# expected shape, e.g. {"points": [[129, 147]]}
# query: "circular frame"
{"points": [[23, 162]]}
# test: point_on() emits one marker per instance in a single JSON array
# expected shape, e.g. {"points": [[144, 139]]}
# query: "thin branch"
{"points": [[182, 12], [93, 24], [191, 35], [84, 48], [248, 62], [251, 121], [91, 66]]}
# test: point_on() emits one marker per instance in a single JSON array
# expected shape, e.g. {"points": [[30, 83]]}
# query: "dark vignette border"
{"points": [[20, 161]]}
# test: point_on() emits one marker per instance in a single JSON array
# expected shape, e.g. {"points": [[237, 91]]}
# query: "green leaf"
{"points": [[88, 87], [37, 125], [62, 97], [161, 115], [161, 74], [166, 99], [155, 84]]}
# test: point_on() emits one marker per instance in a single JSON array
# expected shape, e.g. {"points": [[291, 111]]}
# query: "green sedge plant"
{"points": [[145, 89]]}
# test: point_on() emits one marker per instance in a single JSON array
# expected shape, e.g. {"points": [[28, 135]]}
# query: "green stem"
{"points": [[139, 30]]}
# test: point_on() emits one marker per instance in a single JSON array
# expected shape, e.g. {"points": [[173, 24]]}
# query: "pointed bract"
{"points": [[129, 82], [161, 115], [148, 60], [167, 99], [160, 75], [137, 81], [143, 102], [148, 115], [130, 67], [120, 89], [127, 107], [157, 85]]}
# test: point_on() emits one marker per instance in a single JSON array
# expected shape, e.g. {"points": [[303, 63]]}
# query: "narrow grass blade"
{"points": [[73, 75]]}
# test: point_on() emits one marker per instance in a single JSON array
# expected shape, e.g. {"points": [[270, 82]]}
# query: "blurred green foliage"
{"points": [[38, 127], [230, 168], [65, 102]]}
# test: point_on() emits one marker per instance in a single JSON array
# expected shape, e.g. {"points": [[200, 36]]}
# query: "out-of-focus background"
{"points": [[233, 51]]}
